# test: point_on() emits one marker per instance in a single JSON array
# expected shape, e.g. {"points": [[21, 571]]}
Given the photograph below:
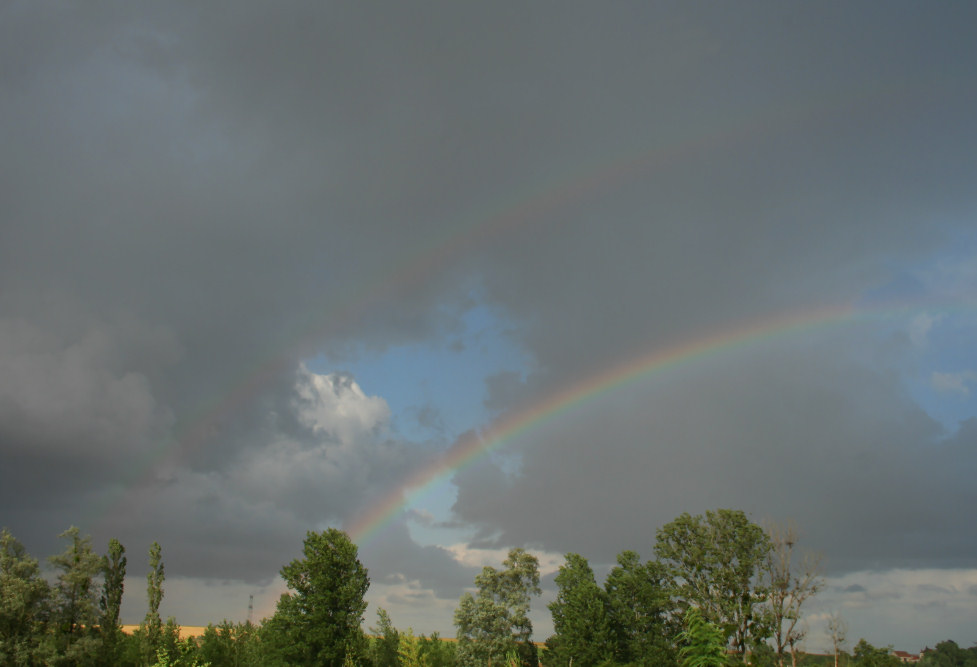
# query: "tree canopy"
{"points": [[318, 623], [866, 655], [715, 563], [711, 585], [582, 632], [949, 654], [23, 604], [74, 610], [494, 623], [638, 609]]}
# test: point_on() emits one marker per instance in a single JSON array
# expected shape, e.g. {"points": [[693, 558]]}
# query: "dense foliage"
{"points": [[714, 595], [866, 655], [948, 654], [715, 563], [493, 625], [24, 605], [701, 643], [580, 621], [639, 611], [319, 622]]}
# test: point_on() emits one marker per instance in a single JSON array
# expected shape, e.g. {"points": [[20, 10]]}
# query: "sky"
{"points": [[464, 277]]}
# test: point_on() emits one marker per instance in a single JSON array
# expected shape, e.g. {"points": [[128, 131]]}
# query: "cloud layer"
{"points": [[197, 202]]}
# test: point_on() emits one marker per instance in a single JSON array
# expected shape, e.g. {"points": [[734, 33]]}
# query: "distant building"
{"points": [[905, 657]]}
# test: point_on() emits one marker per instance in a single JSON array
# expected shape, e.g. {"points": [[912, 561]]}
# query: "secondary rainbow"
{"points": [[536, 205], [472, 447]]}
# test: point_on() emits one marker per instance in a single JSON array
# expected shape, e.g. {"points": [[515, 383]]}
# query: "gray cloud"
{"points": [[394, 557], [196, 200], [781, 431]]}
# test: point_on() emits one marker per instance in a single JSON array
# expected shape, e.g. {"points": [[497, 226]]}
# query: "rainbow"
{"points": [[472, 447], [535, 206], [531, 206]]}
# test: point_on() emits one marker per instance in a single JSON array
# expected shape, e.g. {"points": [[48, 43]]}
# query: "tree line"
{"points": [[720, 590], [74, 620]]}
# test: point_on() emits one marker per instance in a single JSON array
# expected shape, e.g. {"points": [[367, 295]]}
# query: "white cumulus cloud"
{"points": [[465, 554], [334, 403]]}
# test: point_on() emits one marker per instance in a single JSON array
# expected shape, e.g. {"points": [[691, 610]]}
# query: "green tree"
{"points": [[385, 642], [217, 645], [110, 601], [638, 609], [582, 631], [436, 651], [152, 625], [179, 651], [183, 655], [24, 597], [701, 643], [318, 623], [230, 645], [495, 621], [247, 647], [949, 654], [130, 650], [74, 612], [409, 650], [714, 561], [866, 655]]}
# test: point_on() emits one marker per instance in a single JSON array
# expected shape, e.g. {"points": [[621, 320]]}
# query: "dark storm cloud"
{"points": [[163, 276], [197, 197], [783, 432], [823, 182]]}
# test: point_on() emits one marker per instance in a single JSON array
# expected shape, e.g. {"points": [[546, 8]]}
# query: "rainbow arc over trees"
{"points": [[536, 205], [474, 446]]}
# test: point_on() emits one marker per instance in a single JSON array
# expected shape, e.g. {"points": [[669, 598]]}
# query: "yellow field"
{"points": [[185, 630]]}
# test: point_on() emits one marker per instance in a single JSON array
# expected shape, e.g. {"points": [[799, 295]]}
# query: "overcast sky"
{"points": [[261, 263]]}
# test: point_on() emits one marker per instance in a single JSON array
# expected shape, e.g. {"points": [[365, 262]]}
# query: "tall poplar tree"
{"points": [[110, 601], [74, 610], [153, 625]]}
